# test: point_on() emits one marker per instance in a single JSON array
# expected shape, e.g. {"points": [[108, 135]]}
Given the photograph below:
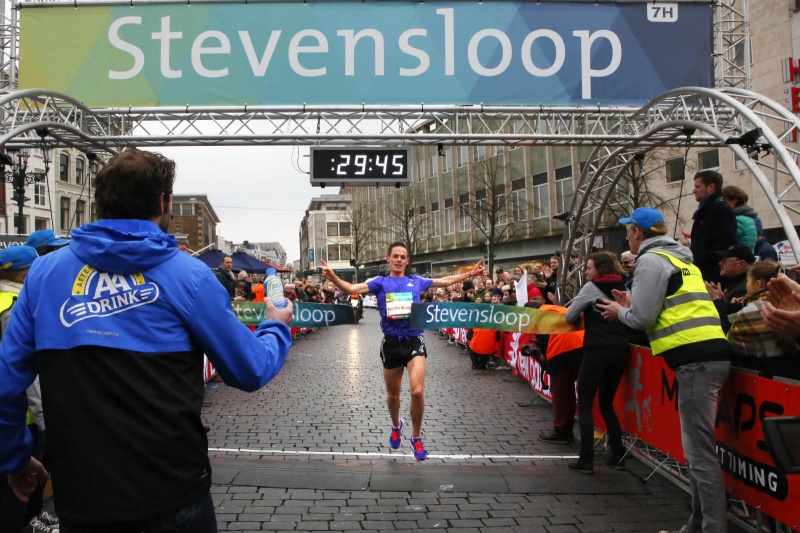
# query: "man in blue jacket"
{"points": [[116, 325]]}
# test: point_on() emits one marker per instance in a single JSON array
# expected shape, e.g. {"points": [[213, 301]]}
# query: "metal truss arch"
{"points": [[719, 114], [23, 113]]}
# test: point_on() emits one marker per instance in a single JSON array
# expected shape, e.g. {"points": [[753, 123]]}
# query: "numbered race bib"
{"points": [[398, 305]]}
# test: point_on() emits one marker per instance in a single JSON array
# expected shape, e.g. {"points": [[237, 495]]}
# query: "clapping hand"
{"points": [[781, 313]]}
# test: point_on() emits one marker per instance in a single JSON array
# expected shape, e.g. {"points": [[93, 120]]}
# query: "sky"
{"points": [[257, 192]]}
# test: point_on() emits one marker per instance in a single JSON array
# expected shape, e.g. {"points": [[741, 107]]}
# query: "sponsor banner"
{"points": [[496, 317], [749, 471], [323, 53], [304, 315], [527, 367], [646, 404]]}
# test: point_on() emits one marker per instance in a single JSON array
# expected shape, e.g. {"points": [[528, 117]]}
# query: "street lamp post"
{"points": [[19, 177]]}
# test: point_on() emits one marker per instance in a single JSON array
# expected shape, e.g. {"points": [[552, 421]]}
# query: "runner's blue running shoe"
{"points": [[396, 436], [419, 450]]}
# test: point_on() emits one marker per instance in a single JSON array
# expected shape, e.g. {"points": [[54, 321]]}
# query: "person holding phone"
{"points": [[605, 355]]}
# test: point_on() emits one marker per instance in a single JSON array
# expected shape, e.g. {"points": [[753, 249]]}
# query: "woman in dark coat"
{"points": [[605, 354]]}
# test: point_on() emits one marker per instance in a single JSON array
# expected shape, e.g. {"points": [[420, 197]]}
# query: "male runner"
{"points": [[401, 346]]}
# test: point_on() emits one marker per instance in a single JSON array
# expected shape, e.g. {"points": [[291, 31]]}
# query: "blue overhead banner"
{"points": [[391, 53]]}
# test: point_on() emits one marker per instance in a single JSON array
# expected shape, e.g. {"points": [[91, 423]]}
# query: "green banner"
{"points": [[487, 316], [304, 315]]}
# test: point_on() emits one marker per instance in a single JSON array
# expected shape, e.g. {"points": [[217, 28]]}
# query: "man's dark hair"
{"points": [[710, 176], [224, 257], [394, 245], [130, 185]]}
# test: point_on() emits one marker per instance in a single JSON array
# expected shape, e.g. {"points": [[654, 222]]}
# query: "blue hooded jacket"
{"points": [[116, 325]]}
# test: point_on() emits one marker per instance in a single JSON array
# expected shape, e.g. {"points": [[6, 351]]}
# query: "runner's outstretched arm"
{"points": [[330, 275], [477, 270]]}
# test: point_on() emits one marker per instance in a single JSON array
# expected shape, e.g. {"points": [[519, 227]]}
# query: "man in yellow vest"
{"points": [[670, 302]]}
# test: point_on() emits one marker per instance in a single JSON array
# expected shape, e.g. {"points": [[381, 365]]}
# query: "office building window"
{"points": [[420, 170], [541, 196], [519, 201], [63, 167], [675, 169], [449, 217], [80, 166], [333, 229], [448, 159], [434, 166], [480, 152], [39, 223], [463, 155], [708, 160], [39, 194], [64, 212], [435, 229], [80, 212], [463, 213], [565, 188]]}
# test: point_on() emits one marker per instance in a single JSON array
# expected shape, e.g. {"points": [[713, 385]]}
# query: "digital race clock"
{"points": [[367, 166]]}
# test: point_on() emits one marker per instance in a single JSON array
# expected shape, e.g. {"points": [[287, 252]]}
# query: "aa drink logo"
{"points": [[101, 294]]}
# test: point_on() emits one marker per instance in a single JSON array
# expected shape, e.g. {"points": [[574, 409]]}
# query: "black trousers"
{"points": [[600, 375]]}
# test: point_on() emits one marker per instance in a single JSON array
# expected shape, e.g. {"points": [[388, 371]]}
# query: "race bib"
{"points": [[398, 305]]}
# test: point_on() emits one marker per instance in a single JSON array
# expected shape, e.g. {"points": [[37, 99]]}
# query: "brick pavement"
{"points": [[328, 404]]}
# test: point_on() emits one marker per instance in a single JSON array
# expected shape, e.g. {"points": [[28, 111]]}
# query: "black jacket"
{"points": [[227, 279], [713, 230]]}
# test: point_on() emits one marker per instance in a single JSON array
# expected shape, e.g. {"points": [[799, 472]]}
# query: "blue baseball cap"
{"points": [[17, 257], [45, 237], [644, 217]]}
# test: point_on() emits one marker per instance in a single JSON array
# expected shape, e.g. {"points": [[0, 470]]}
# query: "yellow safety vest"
{"points": [[6, 301], [688, 315]]}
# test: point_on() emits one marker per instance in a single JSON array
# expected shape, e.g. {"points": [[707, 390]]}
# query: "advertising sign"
{"points": [[323, 53], [304, 315], [442, 315]]}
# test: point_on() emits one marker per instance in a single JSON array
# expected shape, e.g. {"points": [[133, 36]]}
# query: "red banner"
{"points": [[750, 474], [647, 406]]}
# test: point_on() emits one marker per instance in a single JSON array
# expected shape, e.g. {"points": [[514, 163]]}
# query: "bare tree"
{"points": [[491, 209], [639, 184], [363, 230], [407, 218]]}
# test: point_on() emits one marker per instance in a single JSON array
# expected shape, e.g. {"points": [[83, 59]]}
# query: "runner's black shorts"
{"points": [[398, 351]]}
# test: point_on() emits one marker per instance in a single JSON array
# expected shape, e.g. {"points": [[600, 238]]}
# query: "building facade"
{"points": [[325, 234], [61, 202], [194, 221], [534, 184]]}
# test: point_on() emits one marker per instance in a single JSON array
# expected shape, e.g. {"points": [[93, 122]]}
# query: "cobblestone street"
{"points": [[310, 452]]}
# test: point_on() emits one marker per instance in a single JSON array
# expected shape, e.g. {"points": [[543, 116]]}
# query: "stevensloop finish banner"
{"points": [[423, 316], [207, 53]]}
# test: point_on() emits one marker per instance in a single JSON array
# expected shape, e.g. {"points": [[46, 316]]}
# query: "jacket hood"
{"points": [[122, 246], [668, 245], [745, 210]]}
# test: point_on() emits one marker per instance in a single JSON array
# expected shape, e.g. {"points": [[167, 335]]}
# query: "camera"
{"points": [[531, 350]]}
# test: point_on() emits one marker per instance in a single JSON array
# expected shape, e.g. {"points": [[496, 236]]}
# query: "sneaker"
{"points": [[556, 437], [684, 529], [211, 385], [396, 436], [584, 467], [37, 525], [419, 450], [48, 519]]}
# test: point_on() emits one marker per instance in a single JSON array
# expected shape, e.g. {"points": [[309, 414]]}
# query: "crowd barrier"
{"points": [[646, 404]]}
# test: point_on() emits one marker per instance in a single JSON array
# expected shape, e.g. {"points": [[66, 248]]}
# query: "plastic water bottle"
{"points": [[273, 286]]}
